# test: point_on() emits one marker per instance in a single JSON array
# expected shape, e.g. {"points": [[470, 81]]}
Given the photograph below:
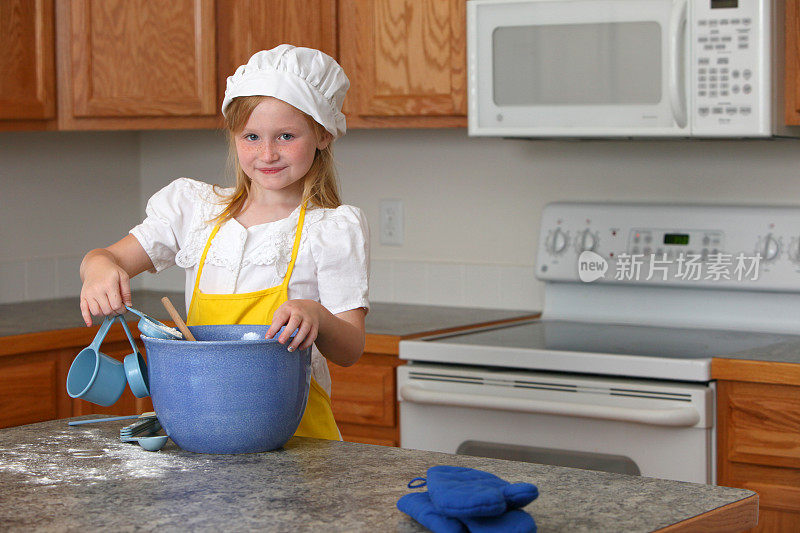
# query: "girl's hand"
{"points": [[106, 288], [303, 315]]}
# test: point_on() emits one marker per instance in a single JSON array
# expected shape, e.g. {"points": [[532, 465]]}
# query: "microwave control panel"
{"points": [[730, 66], [714, 246]]}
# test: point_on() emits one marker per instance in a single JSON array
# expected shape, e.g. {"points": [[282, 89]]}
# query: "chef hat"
{"points": [[305, 78]]}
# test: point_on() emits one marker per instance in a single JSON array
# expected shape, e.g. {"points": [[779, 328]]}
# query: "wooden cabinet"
{"points": [[145, 64], [759, 448], [793, 62], [246, 26], [364, 400], [33, 376], [406, 61], [128, 64], [27, 83]]}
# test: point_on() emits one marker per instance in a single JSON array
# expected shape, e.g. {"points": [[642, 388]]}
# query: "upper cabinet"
{"points": [[148, 64], [27, 83], [793, 62], [246, 26], [406, 61], [131, 64]]}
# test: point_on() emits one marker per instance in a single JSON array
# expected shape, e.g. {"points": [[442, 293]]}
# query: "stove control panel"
{"points": [[741, 247]]}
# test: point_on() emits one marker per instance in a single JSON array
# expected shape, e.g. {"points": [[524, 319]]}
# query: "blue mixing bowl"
{"points": [[223, 394]]}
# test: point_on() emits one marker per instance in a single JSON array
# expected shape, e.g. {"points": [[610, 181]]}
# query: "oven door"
{"points": [[582, 68], [656, 429]]}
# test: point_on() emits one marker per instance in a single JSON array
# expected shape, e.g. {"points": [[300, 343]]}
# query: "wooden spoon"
{"points": [[177, 318]]}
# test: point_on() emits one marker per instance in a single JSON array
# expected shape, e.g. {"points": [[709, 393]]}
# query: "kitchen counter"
{"points": [[777, 364], [57, 477], [784, 352], [400, 320]]}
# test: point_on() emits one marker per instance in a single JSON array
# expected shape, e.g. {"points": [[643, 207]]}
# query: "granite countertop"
{"points": [[57, 477], [400, 320], [784, 352]]}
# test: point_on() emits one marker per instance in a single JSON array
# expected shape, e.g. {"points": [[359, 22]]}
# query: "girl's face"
{"points": [[276, 147]]}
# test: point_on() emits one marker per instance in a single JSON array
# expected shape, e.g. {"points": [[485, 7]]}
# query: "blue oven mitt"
{"points": [[418, 506], [482, 502], [513, 521], [466, 492]]}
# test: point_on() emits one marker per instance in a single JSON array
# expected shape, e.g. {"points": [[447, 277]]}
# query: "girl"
{"points": [[277, 249]]}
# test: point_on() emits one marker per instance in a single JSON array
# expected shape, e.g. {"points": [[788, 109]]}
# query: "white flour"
{"points": [[45, 461]]}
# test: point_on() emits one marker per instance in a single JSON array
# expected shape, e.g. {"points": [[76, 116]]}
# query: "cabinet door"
{"points": [[406, 61], [793, 62], [29, 389], [758, 448], [134, 59], [246, 26], [363, 399], [27, 83]]}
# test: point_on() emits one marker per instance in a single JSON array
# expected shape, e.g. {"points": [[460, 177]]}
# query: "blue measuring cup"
{"points": [[151, 327], [98, 378]]}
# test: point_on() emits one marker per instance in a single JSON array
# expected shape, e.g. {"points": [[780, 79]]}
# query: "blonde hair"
{"points": [[320, 187]]}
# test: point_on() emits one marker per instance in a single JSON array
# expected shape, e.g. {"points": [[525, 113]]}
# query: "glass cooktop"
{"points": [[666, 353], [559, 335]]}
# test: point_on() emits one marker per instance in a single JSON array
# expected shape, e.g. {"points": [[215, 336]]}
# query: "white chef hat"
{"points": [[305, 78]]}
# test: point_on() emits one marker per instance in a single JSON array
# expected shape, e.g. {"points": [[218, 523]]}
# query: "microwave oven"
{"points": [[626, 68]]}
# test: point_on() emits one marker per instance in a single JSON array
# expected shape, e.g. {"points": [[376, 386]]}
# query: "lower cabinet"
{"points": [[759, 448], [33, 387], [364, 401]]}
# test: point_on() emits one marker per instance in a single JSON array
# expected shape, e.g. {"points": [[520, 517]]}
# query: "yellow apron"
{"points": [[257, 308]]}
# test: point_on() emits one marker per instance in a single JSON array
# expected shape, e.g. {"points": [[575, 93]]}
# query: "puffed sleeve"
{"points": [[340, 247], [161, 232]]}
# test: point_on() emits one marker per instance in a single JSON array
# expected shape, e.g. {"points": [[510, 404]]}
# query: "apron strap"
{"points": [[203, 259], [296, 247]]}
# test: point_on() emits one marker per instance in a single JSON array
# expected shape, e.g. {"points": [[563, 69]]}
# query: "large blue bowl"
{"points": [[223, 394]]}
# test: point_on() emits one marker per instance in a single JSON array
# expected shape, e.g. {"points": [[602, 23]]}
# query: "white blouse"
{"points": [[332, 265]]}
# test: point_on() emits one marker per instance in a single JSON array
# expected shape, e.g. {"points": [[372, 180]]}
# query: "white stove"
{"points": [[616, 374]]}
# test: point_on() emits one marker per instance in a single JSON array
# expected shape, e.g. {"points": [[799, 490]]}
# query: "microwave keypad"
{"points": [[724, 70]]}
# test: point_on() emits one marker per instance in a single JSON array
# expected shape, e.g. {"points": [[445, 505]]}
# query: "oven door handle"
{"points": [[673, 417]]}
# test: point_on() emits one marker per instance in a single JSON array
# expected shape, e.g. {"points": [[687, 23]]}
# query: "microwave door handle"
{"points": [[675, 417], [677, 50]]}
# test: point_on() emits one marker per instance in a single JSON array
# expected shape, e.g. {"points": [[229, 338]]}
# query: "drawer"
{"points": [[762, 423], [363, 393], [778, 488]]}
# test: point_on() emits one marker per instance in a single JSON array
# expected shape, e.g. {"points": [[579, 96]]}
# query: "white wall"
{"points": [[471, 205], [61, 194]]}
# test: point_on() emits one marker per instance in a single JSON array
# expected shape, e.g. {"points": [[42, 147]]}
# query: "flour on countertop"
{"points": [[50, 460]]}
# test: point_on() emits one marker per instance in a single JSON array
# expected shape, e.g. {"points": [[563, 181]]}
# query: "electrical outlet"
{"points": [[392, 222]]}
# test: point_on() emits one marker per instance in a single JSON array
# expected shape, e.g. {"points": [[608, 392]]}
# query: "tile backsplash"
{"points": [[413, 282], [42, 278], [469, 285]]}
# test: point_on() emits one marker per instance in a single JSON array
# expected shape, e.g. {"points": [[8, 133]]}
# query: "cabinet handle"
{"points": [[676, 417]]}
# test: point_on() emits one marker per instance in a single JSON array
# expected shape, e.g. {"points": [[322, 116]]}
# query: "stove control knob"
{"points": [[557, 241], [587, 241], [770, 248]]}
